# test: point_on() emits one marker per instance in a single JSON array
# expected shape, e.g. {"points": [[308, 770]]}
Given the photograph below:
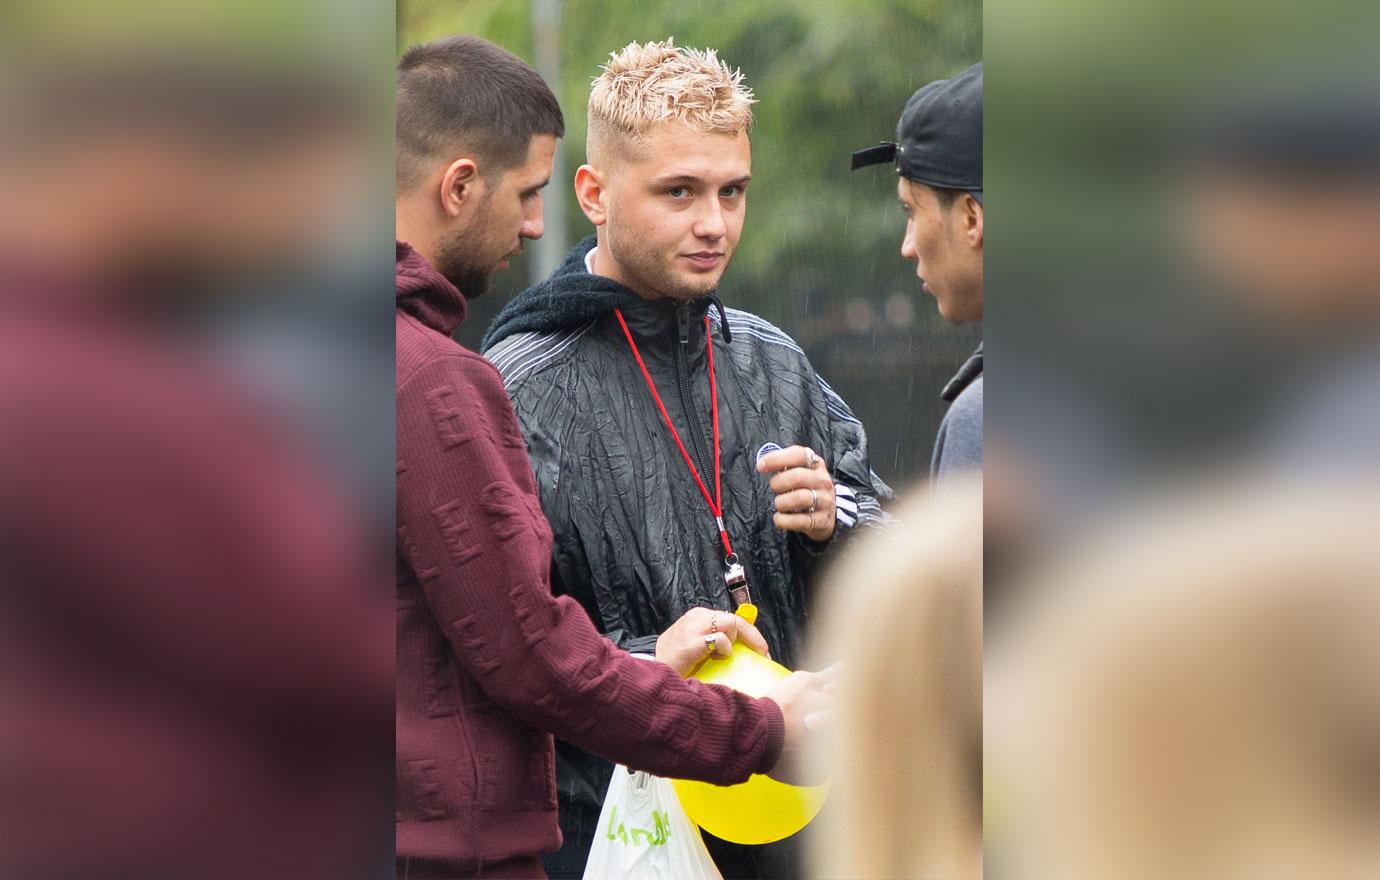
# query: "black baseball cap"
{"points": [[939, 136]]}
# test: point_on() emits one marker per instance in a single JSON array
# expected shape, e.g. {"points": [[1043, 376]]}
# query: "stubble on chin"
{"points": [[656, 275], [676, 286], [471, 280]]}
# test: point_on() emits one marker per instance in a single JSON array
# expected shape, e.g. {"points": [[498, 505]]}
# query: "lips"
{"points": [[705, 259]]}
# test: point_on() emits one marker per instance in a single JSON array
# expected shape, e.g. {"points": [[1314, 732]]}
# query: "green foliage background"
{"points": [[820, 249]]}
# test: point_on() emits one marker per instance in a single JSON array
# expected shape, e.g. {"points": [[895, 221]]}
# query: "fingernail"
{"points": [[764, 450]]}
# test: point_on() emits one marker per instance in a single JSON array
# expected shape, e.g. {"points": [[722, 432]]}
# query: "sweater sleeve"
{"points": [[471, 527]]}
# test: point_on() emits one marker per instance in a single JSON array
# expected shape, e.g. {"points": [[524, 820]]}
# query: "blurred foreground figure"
{"points": [[1253, 347], [1192, 694], [906, 744], [196, 654], [1280, 197]]}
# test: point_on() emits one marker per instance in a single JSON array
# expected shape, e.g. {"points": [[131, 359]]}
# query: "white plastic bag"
{"points": [[644, 834]]}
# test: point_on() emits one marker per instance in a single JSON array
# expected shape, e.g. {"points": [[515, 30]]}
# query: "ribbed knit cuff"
{"points": [[776, 735]]}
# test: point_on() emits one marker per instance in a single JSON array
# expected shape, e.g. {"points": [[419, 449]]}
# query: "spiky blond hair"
{"points": [[644, 84]]}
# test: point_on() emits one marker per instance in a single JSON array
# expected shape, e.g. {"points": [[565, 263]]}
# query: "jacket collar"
{"points": [[655, 317], [425, 294], [661, 320], [966, 375]]}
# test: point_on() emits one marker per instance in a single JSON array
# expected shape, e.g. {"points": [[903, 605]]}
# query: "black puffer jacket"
{"points": [[635, 541]]}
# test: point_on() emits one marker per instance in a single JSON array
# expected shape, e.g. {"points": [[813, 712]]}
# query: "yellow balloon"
{"points": [[760, 810]]}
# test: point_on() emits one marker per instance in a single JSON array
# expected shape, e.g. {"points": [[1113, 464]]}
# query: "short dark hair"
{"points": [[945, 196], [464, 93]]}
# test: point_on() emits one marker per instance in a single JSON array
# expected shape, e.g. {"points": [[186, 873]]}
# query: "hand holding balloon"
{"points": [[704, 633], [763, 809], [806, 700]]}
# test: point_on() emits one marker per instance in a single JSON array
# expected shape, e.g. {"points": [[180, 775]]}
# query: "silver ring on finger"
{"points": [[810, 458], [814, 501], [710, 641]]}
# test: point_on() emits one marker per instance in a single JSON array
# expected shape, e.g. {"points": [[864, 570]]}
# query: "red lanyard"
{"points": [[715, 503]]}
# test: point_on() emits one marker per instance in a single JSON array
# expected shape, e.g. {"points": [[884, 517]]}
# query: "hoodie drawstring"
{"points": [[723, 319]]}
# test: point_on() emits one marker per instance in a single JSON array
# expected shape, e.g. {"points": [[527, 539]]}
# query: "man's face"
{"points": [[947, 262], [508, 210], [674, 215], [1299, 252]]}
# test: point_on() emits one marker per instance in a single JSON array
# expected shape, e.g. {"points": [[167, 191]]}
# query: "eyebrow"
{"points": [[690, 178]]}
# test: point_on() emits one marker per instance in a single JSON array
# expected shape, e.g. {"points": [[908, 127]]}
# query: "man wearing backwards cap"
{"points": [[938, 158]]}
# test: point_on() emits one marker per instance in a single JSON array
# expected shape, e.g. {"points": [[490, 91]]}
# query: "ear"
{"points": [[591, 193], [970, 220], [461, 187]]}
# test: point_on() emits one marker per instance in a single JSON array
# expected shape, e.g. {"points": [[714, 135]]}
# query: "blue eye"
{"points": [[678, 192], [731, 192]]}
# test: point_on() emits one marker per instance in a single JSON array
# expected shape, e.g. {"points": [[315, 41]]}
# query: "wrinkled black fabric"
{"points": [[635, 541]]}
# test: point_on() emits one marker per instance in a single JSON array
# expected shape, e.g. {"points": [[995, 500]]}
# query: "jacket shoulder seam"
{"points": [[534, 353]]}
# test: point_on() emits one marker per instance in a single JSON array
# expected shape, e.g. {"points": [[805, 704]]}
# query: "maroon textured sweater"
{"points": [[195, 659], [490, 663]]}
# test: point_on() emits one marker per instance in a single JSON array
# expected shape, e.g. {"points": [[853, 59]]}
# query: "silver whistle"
{"points": [[736, 580]]}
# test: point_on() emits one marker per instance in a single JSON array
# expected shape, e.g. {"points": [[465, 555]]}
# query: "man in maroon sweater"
{"points": [[490, 663]]}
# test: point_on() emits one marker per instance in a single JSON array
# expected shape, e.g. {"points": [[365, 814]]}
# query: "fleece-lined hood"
{"points": [[569, 298], [425, 294]]}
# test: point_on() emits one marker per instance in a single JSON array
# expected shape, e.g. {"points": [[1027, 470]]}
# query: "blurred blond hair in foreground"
{"points": [[904, 613], [1192, 693]]}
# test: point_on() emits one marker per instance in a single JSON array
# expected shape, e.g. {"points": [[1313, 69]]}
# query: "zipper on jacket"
{"points": [[692, 421]]}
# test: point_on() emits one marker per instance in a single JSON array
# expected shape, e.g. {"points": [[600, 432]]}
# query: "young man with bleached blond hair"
{"points": [[686, 453]]}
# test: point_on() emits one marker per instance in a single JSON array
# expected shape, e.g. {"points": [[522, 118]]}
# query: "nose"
{"points": [[533, 223], [711, 223], [908, 243]]}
